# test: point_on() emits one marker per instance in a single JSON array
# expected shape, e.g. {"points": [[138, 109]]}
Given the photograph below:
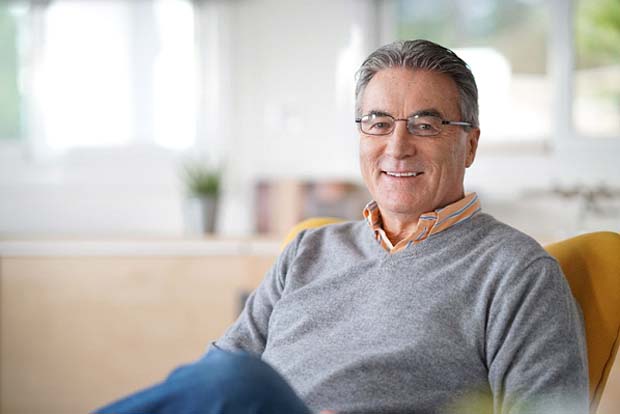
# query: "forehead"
{"points": [[403, 91]]}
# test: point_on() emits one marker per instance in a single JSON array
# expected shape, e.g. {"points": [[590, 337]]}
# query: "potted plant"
{"points": [[203, 185]]}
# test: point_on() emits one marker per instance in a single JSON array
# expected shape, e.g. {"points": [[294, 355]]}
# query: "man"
{"points": [[428, 305]]}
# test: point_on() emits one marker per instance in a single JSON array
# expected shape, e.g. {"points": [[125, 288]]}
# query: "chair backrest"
{"points": [[309, 224], [591, 263]]}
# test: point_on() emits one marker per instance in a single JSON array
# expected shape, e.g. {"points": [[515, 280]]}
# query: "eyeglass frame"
{"points": [[464, 124]]}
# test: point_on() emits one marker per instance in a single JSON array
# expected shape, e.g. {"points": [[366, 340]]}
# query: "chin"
{"points": [[403, 206]]}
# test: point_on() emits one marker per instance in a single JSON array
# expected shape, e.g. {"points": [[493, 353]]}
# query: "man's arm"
{"points": [[536, 351], [249, 332]]}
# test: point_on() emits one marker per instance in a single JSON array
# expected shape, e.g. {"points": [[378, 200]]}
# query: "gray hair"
{"points": [[423, 55]]}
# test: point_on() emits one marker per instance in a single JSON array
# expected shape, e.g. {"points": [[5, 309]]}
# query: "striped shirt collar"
{"points": [[428, 223]]}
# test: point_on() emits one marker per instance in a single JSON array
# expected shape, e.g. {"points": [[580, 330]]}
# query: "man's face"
{"points": [[439, 161]]}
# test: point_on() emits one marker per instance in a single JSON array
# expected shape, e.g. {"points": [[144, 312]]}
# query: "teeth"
{"points": [[407, 174]]}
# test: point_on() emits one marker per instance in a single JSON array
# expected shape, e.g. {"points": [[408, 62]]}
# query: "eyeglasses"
{"points": [[424, 125]]}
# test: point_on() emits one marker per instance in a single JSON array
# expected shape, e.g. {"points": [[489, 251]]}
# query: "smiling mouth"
{"points": [[403, 174]]}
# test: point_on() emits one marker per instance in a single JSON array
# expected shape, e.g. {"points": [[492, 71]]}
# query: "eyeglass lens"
{"points": [[374, 124]]}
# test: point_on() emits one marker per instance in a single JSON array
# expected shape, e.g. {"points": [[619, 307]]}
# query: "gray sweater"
{"points": [[477, 313]]}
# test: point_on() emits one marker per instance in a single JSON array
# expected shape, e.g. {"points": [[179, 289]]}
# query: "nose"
{"points": [[400, 143]]}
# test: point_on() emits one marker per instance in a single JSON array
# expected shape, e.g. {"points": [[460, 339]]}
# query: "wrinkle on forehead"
{"points": [[403, 91]]}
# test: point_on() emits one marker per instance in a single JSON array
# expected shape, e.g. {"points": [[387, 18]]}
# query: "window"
{"points": [[505, 44], [596, 106], [114, 73], [10, 99], [510, 44]]}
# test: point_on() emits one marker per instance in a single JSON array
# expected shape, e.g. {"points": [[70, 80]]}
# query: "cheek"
{"points": [[368, 158], [447, 161], [454, 156]]}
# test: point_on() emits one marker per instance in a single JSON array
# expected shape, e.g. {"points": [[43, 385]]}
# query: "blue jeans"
{"points": [[220, 383]]}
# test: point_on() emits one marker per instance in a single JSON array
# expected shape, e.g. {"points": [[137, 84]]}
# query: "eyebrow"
{"points": [[426, 112], [422, 112], [378, 112]]}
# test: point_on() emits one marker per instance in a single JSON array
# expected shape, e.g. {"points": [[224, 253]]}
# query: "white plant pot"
{"points": [[200, 215]]}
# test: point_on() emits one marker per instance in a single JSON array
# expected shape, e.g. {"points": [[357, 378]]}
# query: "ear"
{"points": [[472, 146]]}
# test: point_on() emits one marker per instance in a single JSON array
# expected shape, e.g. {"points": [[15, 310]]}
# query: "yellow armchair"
{"points": [[309, 224], [591, 263]]}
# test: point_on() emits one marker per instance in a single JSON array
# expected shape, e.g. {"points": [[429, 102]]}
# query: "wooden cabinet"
{"points": [[80, 331]]}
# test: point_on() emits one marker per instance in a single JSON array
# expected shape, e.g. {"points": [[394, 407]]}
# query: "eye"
{"points": [[422, 127], [377, 124], [425, 125], [380, 126]]}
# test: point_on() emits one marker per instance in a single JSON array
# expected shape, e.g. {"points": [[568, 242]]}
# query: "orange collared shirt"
{"points": [[428, 223]]}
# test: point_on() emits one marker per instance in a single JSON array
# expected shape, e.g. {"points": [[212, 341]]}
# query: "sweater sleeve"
{"points": [[536, 351], [249, 332]]}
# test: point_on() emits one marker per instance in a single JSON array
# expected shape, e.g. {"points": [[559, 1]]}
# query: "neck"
{"points": [[399, 228]]}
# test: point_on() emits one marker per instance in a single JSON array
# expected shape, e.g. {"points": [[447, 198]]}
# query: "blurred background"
{"points": [[154, 152], [103, 101]]}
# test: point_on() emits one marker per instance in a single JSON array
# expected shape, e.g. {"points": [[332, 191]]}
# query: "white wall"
{"points": [[115, 192], [294, 64]]}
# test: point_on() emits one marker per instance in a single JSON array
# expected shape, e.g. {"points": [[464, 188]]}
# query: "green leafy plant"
{"points": [[202, 180], [598, 32]]}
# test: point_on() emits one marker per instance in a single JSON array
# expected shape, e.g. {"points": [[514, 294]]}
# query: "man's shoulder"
{"points": [[503, 239], [336, 233], [343, 237], [511, 259]]}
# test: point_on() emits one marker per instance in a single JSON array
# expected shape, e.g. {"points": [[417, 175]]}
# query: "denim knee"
{"points": [[219, 383]]}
